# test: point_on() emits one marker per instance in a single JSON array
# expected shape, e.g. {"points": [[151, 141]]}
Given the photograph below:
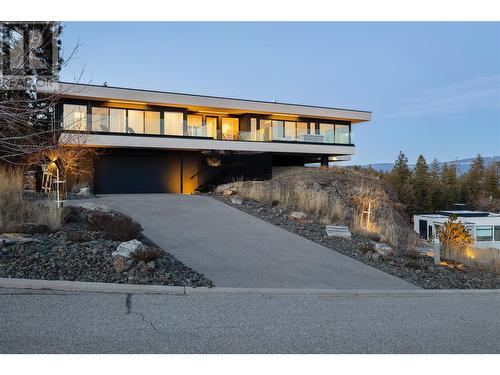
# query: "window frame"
{"points": [[482, 238]]}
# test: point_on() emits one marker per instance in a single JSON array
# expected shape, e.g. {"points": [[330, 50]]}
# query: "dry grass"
{"points": [[16, 211], [336, 196], [314, 202], [485, 259]]}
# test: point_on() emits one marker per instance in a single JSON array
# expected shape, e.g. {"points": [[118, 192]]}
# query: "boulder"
{"points": [[297, 215], [93, 206], [338, 231], [84, 192], [150, 266], [225, 188], [383, 249], [229, 192], [126, 248], [16, 238], [236, 200], [120, 263]]}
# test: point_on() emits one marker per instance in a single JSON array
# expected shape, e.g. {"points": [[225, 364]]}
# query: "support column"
{"points": [[324, 162]]}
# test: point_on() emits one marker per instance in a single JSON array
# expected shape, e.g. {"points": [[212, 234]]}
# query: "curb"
{"points": [[80, 286]]}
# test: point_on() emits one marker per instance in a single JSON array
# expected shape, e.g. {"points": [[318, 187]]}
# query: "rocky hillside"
{"points": [[336, 196]]}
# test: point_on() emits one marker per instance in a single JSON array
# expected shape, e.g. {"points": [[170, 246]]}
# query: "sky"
{"points": [[432, 88]]}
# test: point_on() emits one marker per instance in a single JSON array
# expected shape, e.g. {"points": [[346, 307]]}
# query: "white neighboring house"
{"points": [[483, 226]]}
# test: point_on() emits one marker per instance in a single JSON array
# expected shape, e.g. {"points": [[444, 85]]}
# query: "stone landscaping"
{"points": [[94, 244], [411, 266]]}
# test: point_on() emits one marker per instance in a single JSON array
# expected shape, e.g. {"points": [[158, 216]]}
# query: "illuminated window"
{"points": [[194, 125], [301, 130], [174, 123], [484, 233], [100, 119], [266, 129], [312, 128], [230, 127], [278, 130], [74, 117], [117, 120], [135, 122], [290, 131], [254, 133], [152, 124], [211, 127], [342, 134]]}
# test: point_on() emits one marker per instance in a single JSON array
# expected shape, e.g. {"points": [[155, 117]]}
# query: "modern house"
{"points": [[155, 142], [484, 227]]}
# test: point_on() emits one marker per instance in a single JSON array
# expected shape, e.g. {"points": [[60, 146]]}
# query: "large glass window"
{"points": [[301, 130], [117, 120], [152, 122], [313, 128], [230, 128], [211, 126], [342, 134], [327, 132], [278, 130], [497, 233], [135, 122], [74, 117], [100, 119], [174, 123], [194, 124], [484, 233], [290, 131], [265, 129]]}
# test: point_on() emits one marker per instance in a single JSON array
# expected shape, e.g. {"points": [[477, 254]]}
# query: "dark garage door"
{"points": [[116, 174]]}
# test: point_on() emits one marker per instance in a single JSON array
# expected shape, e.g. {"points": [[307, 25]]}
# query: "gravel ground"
{"points": [[418, 270], [78, 253]]}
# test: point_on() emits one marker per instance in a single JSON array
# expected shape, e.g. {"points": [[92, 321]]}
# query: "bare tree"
{"points": [[27, 113]]}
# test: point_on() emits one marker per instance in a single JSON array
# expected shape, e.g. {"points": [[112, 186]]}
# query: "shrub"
{"points": [[115, 226], [147, 254], [73, 214], [453, 236]]}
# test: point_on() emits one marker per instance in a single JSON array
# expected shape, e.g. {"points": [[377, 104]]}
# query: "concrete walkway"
{"points": [[235, 249]]}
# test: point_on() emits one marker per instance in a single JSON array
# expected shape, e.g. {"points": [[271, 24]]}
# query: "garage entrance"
{"points": [[133, 171]]}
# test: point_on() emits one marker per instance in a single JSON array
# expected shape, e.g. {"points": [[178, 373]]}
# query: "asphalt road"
{"points": [[59, 322], [235, 249]]}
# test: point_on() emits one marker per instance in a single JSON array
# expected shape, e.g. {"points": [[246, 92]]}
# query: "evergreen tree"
{"points": [[400, 179], [492, 180], [436, 187], [421, 186], [474, 180], [450, 184]]}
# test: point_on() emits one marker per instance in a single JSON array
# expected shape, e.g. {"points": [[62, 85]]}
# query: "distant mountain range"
{"points": [[463, 165]]}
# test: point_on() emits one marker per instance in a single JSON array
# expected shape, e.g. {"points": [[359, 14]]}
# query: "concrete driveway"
{"points": [[235, 249]]}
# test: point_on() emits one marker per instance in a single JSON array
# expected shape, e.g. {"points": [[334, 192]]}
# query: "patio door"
{"points": [[230, 127]]}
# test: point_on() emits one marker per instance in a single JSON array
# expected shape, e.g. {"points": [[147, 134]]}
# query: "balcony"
{"points": [[121, 121]]}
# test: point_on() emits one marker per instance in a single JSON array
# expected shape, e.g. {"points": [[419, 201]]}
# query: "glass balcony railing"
{"points": [[133, 122]]}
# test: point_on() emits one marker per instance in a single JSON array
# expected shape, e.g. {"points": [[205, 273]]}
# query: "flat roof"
{"points": [[203, 102]]}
